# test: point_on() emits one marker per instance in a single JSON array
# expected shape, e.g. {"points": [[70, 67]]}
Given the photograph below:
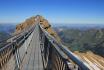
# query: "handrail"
{"points": [[14, 40], [65, 50], [13, 45]]}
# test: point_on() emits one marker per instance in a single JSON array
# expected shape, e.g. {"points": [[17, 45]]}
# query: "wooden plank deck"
{"points": [[33, 60]]}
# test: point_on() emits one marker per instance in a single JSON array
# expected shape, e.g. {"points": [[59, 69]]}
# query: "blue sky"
{"points": [[56, 11]]}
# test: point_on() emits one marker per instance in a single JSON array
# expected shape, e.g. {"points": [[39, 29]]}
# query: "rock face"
{"points": [[24, 25], [31, 21]]}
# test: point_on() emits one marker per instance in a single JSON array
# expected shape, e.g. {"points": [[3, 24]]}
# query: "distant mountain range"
{"points": [[83, 38], [79, 26], [7, 27], [5, 32]]}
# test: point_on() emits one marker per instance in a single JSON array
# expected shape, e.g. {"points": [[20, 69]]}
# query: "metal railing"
{"points": [[56, 56], [8, 50]]}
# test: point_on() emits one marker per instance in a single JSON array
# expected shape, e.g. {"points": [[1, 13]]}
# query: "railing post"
{"points": [[17, 57]]}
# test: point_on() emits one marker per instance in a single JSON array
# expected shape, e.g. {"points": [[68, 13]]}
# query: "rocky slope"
{"points": [[95, 62]]}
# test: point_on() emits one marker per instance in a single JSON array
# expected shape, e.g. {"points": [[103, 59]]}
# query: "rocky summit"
{"points": [[31, 21]]}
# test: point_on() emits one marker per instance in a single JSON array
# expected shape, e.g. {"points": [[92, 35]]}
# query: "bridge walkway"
{"points": [[32, 59]]}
